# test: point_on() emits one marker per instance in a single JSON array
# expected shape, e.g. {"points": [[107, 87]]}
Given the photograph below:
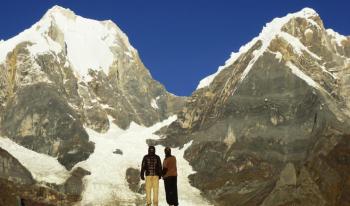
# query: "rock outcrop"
{"points": [[19, 187], [39, 119], [12, 170]]}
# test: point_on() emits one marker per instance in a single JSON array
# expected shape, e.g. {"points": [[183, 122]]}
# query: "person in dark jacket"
{"points": [[152, 166], [170, 177]]}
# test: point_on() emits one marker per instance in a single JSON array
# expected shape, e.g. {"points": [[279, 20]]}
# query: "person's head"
{"points": [[167, 151], [151, 150]]}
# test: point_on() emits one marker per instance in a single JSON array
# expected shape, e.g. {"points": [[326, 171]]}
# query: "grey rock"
{"points": [[133, 179], [41, 120], [288, 176], [118, 151], [11, 169], [74, 184]]}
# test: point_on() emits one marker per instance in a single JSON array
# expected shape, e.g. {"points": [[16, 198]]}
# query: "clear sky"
{"points": [[179, 41]]}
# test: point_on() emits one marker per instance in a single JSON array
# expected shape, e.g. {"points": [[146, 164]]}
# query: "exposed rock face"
{"points": [[12, 170], [39, 119], [267, 121], [30, 195]]}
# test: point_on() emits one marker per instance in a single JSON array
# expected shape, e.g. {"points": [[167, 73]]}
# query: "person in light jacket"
{"points": [[170, 177]]}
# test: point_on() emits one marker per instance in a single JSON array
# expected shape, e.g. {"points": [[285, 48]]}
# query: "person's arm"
{"points": [[143, 167], [159, 167], [165, 169]]}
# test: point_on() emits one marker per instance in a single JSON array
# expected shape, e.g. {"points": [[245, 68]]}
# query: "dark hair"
{"points": [[167, 152], [151, 150]]}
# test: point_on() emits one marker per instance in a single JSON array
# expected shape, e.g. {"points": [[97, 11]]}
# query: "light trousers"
{"points": [[152, 184]]}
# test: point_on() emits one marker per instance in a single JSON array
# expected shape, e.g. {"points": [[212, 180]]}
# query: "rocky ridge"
{"points": [[271, 121]]}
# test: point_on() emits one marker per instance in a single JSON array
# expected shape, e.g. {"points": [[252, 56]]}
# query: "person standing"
{"points": [[170, 177], [152, 166]]}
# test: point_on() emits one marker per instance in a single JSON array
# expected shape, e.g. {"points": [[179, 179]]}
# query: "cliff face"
{"points": [[269, 126]]}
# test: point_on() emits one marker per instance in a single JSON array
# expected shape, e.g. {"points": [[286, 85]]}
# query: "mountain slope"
{"points": [[267, 115]]}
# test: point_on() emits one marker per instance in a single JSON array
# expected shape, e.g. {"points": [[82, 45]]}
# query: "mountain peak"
{"points": [[269, 32], [308, 12], [88, 43], [60, 10]]}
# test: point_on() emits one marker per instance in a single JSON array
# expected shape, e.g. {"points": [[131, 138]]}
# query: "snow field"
{"points": [[108, 170], [107, 181]]}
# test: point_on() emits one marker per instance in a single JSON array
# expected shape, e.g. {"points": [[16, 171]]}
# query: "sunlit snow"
{"points": [[87, 42], [268, 33], [43, 167], [108, 170], [107, 181], [154, 104]]}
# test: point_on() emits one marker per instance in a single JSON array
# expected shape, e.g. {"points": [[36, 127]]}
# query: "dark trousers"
{"points": [[170, 184]]}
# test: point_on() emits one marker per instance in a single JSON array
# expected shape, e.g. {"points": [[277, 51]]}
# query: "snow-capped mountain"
{"points": [[271, 121], [60, 78], [87, 53], [66, 72]]}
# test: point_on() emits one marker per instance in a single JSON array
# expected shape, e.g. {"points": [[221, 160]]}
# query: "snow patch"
{"points": [[86, 48], [234, 56], [40, 44], [66, 64], [127, 53], [44, 168], [336, 37], [230, 139], [302, 75], [297, 45], [278, 56], [106, 106], [154, 104]]}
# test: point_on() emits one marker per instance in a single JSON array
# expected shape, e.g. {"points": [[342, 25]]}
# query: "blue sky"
{"points": [[180, 41]]}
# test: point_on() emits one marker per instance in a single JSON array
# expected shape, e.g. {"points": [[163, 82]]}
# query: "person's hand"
{"points": [[142, 177]]}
